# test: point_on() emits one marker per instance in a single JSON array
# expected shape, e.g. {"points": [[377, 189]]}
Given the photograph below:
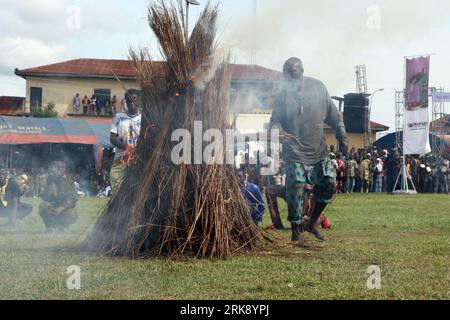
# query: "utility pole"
{"points": [[253, 44], [188, 2]]}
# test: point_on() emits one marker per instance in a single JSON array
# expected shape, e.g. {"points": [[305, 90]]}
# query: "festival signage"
{"points": [[441, 97], [24, 130], [417, 119]]}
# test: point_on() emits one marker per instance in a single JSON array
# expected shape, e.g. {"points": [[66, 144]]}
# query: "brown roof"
{"points": [[378, 127], [254, 72], [123, 68], [444, 123], [83, 67], [261, 111], [374, 125], [10, 106]]}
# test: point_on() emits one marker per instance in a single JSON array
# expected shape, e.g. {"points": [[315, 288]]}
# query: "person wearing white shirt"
{"points": [[125, 130]]}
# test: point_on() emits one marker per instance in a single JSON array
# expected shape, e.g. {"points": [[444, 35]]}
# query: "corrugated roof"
{"points": [[255, 72], [10, 106], [123, 68], [442, 123], [376, 125], [84, 67]]}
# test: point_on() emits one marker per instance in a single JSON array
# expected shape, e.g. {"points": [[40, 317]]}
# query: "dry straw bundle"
{"points": [[162, 208]]}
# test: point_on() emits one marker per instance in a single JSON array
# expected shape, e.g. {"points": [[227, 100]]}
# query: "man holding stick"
{"points": [[302, 109], [125, 130]]}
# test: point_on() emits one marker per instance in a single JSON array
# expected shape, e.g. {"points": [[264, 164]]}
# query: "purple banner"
{"points": [[417, 77]]}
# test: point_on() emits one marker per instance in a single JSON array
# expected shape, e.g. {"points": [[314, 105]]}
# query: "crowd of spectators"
{"points": [[97, 106], [56, 187], [360, 171], [375, 171]]}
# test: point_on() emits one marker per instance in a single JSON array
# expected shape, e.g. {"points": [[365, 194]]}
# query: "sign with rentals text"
{"points": [[417, 119]]}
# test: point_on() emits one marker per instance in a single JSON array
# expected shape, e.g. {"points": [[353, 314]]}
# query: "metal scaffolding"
{"points": [[361, 88], [361, 79], [438, 127], [399, 111], [404, 178]]}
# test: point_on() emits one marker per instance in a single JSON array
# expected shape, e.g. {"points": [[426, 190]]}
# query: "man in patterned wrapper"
{"points": [[301, 110]]}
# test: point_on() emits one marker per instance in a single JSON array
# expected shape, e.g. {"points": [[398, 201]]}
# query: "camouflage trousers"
{"points": [[298, 177], [61, 221]]}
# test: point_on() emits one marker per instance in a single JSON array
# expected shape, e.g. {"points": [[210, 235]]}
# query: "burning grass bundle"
{"points": [[162, 208]]}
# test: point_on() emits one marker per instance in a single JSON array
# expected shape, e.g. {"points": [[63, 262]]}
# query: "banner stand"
{"points": [[415, 127], [403, 177]]}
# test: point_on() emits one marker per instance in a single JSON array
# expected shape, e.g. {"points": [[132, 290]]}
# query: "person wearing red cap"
{"points": [[326, 224]]}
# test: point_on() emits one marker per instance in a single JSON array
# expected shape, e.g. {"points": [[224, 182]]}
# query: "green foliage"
{"points": [[408, 237], [47, 111]]}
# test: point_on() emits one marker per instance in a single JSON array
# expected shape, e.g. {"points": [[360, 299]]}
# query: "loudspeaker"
{"points": [[356, 112], [356, 99], [356, 118]]}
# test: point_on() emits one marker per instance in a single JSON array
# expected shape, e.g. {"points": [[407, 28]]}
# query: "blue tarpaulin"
{"points": [[389, 141], [25, 130]]}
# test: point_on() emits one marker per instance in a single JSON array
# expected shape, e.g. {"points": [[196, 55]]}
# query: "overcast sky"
{"points": [[330, 36]]}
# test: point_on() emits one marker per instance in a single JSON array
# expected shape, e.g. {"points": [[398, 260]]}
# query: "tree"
{"points": [[47, 111]]}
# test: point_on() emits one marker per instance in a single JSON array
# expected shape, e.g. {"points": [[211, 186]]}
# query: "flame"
{"points": [[128, 157], [177, 94]]}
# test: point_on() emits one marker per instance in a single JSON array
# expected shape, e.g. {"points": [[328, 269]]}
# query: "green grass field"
{"points": [[408, 237]]}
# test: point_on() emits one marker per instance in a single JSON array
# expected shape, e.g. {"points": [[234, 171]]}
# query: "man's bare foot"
{"points": [[301, 242], [295, 232], [317, 234], [274, 227], [278, 226]]}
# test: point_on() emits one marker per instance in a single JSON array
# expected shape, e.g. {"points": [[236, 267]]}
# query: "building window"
{"points": [[35, 98], [103, 95]]}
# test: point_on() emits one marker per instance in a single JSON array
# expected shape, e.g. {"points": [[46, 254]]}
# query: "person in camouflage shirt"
{"points": [[58, 208]]}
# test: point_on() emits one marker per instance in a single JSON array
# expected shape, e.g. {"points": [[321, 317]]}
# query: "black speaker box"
{"points": [[356, 99], [356, 118]]}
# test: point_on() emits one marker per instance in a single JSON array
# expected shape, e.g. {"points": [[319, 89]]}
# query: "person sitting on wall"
{"points": [[59, 199], [98, 106], [92, 104], [10, 205], [85, 104], [114, 104], [76, 103]]}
